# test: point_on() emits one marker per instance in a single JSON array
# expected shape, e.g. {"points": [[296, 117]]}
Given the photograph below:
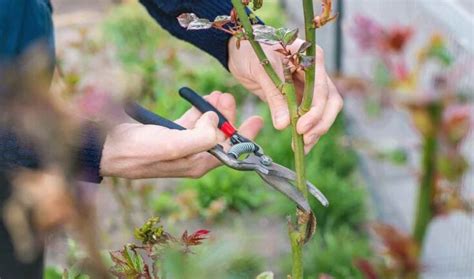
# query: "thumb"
{"points": [[207, 120], [205, 132]]}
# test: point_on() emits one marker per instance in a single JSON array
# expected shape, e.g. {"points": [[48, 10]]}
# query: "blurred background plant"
{"points": [[428, 87]]}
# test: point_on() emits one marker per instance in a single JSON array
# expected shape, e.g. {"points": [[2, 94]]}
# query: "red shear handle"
{"points": [[204, 106]]}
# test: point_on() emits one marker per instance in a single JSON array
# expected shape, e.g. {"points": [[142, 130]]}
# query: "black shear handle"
{"points": [[145, 116], [203, 106]]}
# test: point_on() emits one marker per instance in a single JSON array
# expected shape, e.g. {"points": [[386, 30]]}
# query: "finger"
{"points": [[226, 105], [320, 96], [193, 166], [333, 108], [276, 101], [202, 137], [251, 127], [189, 118]]}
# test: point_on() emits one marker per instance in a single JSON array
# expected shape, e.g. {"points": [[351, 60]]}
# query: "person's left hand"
{"points": [[327, 103]]}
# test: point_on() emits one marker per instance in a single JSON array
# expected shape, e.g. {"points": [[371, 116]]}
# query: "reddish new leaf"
{"points": [[396, 39], [194, 239], [399, 247]]}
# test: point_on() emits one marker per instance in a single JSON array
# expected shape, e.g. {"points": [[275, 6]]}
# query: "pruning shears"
{"points": [[243, 155]]}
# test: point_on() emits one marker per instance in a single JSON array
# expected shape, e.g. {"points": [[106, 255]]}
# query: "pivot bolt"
{"points": [[265, 160]]}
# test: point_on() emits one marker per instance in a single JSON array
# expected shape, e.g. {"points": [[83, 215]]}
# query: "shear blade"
{"points": [[317, 194], [286, 188], [289, 175]]}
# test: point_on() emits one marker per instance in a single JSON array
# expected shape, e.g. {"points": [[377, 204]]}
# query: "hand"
{"points": [[327, 103], [147, 151]]}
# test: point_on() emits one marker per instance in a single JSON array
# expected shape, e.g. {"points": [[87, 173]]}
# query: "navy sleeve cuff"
{"points": [[89, 153]]}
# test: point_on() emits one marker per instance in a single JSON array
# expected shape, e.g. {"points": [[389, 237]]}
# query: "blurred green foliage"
{"points": [[240, 190], [51, 272], [335, 253], [244, 266]]}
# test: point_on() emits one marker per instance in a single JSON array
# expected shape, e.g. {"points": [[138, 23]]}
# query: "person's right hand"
{"points": [[149, 151]]}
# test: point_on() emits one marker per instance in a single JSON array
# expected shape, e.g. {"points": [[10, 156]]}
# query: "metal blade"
{"points": [[317, 194], [286, 188], [285, 173]]}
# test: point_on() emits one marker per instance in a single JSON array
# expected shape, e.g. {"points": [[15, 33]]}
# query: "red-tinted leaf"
{"points": [[400, 247], [194, 239], [457, 122], [233, 15], [366, 32], [282, 51], [396, 39]]}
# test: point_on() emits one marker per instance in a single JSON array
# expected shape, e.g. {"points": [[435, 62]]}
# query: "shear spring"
{"points": [[242, 148]]}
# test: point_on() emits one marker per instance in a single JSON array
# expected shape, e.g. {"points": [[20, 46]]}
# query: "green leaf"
{"points": [[266, 35], [287, 36], [128, 263], [150, 232], [136, 260]]}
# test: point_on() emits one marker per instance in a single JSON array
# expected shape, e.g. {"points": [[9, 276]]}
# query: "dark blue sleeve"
{"points": [[211, 41], [24, 24], [16, 152]]}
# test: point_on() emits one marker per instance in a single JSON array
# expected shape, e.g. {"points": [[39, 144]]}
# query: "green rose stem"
{"points": [[287, 88], [310, 72], [424, 210]]}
